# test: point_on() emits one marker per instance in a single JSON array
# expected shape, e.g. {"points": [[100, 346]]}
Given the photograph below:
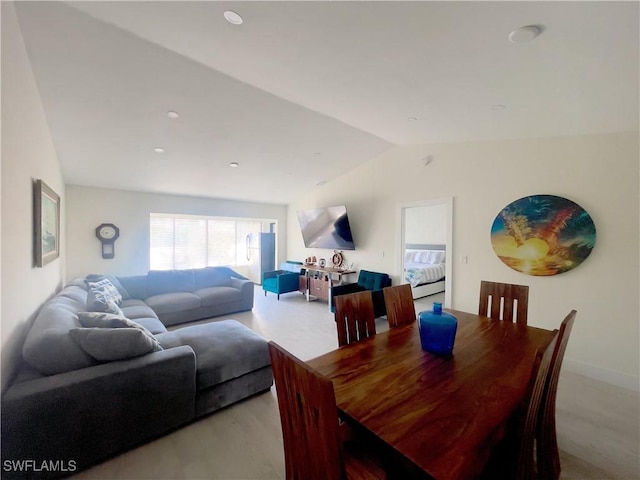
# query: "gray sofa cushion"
{"points": [[169, 281], [137, 309], [212, 277], [49, 347], [108, 344], [217, 295], [154, 325], [135, 285], [173, 302], [224, 350]]}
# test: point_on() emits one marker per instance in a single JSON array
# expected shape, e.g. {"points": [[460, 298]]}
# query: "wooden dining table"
{"points": [[442, 415]]}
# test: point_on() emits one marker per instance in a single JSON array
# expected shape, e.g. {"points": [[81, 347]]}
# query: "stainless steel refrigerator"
{"points": [[261, 255]]}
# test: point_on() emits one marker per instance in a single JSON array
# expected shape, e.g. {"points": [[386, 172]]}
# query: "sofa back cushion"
{"points": [[135, 285], [373, 280], [212, 277], [49, 347], [169, 281]]}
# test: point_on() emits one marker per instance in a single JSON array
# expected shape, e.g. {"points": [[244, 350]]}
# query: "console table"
{"points": [[317, 281]]}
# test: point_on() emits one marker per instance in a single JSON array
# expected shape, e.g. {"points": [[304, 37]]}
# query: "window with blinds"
{"points": [[187, 241]]}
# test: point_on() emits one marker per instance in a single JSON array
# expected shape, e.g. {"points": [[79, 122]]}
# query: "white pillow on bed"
{"points": [[409, 256], [429, 257]]}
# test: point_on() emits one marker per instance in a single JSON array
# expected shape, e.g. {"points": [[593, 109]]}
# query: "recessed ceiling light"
{"points": [[234, 164], [172, 114], [498, 107], [524, 34], [158, 150], [233, 17], [412, 119]]}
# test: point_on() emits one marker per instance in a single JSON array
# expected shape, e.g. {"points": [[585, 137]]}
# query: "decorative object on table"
{"points": [[107, 233], [46, 219], [337, 259], [322, 262], [437, 330], [543, 235]]}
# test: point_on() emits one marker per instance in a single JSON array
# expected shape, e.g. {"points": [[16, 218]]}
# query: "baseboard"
{"points": [[612, 377]]}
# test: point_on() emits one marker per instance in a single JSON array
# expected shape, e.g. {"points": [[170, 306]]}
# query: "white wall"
{"points": [[599, 172], [88, 207], [27, 154], [427, 224]]}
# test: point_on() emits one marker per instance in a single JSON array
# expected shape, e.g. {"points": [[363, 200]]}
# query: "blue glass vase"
{"points": [[437, 330]]}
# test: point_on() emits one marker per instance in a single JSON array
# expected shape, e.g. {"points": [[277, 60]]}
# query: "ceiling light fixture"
{"points": [[158, 150], [524, 34], [232, 17], [234, 164], [173, 115], [498, 107], [412, 119]]}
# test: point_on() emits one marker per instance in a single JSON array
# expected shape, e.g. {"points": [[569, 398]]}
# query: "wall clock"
{"points": [[543, 235], [107, 233]]}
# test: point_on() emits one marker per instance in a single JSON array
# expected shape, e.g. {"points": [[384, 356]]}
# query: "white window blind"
{"points": [[178, 242]]}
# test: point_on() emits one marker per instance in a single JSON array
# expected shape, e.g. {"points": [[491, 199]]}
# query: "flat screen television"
{"points": [[326, 227]]}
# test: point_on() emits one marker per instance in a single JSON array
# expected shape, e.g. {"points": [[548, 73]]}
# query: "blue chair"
{"points": [[284, 280], [367, 280]]}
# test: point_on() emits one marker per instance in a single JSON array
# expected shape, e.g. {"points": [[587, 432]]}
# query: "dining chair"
{"points": [[355, 317], [506, 299], [546, 441], [514, 457], [399, 304], [313, 446]]}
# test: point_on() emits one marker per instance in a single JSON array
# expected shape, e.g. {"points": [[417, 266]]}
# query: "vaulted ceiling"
{"points": [[301, 92]]}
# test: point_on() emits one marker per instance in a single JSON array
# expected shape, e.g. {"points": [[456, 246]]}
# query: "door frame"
{"points": [[401, 218]]}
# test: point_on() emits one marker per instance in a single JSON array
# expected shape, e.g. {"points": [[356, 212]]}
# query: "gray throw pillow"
{"points": [[104, 290], [108, 344], [101, 304]]}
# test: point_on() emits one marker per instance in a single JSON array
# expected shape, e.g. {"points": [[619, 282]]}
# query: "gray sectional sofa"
{"points": [[69, 407]]}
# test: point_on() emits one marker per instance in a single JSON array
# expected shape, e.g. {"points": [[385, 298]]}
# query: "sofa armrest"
{"points": [[246, 287], [89, 414], [272, 274]]}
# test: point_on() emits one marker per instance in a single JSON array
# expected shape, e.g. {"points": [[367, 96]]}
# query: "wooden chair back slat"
{"points": [[501, 300], [526, 467], [547, 442], [399, 304], [355, 318], [309, 418]]}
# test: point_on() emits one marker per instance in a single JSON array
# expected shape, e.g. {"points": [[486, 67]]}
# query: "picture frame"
{"points": [[46, 222]]}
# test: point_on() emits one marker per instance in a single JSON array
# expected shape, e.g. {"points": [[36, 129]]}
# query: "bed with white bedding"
{"points": [[424, 269]]}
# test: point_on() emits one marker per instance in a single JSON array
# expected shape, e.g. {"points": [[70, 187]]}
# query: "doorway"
{"points": [[427, 224]]}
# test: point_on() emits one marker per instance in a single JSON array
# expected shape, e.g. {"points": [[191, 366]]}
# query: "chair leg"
{"points": [[265, 293], [278, 297]]}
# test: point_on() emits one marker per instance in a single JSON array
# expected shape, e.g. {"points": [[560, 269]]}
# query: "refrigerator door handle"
{"points": [[248, 241]]}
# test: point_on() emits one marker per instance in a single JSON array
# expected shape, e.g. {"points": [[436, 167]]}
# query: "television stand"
{"points": [[317, 281]]}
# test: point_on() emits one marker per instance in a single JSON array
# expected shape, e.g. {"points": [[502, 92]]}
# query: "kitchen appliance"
{"points": [[261, 255]]}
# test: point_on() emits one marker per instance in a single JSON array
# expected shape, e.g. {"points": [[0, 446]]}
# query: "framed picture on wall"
{"points": [[46, 221]]}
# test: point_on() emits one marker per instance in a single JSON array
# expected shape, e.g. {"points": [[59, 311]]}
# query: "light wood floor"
{"points": [[598, 425]]}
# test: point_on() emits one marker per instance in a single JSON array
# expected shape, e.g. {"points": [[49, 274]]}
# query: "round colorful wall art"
{"points": [[543, 235]]}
